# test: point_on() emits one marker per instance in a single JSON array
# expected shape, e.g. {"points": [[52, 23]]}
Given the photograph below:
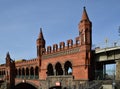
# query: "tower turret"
{"points": [[10, 72], [8, 60], [85, 34], [40, 44], [85, 28]]}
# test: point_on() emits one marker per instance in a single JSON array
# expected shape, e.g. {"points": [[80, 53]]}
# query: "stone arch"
{"points": [[50, 69], [59, 70], [68, 68], [25, 85]]}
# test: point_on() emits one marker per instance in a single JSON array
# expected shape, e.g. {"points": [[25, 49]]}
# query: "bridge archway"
{"points": [[25, 86]]}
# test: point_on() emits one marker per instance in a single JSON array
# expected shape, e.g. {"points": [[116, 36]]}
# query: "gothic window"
{"points": [[31, 72], [84, 37], [50, 70], [23, 72], [58, 68], [19, 72], [36, 70], [27, 72], [68, 68]]}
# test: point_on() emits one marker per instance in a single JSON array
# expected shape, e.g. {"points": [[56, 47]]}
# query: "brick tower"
{"points": [[85, 34], [40, 46], [10, 72]]}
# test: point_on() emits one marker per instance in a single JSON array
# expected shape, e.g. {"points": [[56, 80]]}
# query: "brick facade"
{"points": [[65, 61]]}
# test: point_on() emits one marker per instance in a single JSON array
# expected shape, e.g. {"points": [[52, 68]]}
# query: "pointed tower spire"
{"points": [[40, 43], [85, 29], [8, 59], [7, 55], [41, 34], [84, 15]]}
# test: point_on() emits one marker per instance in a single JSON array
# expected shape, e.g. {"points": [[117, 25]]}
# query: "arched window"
{"points": [[36, 72], [32, 72], [19, 71], [50, 70], [23, 73], [68, 68], [58, 68], [27, 72]]}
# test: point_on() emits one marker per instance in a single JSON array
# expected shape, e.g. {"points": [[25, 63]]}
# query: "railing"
{"points": [[107, 44], [27, 77]]}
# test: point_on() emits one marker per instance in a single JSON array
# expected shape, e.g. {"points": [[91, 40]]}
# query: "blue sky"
{"points": [[20, 21]]}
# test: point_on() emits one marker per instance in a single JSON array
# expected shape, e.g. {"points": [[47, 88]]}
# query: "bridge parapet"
{"points": [[100, 50], [107, 54], [27, 62]]}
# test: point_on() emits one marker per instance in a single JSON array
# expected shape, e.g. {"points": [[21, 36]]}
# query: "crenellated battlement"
{"points": [[62, 46], [26, 62], [68, 46]]}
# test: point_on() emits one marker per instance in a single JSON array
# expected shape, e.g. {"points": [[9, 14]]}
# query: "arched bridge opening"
{"points": [[24, 86]]}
